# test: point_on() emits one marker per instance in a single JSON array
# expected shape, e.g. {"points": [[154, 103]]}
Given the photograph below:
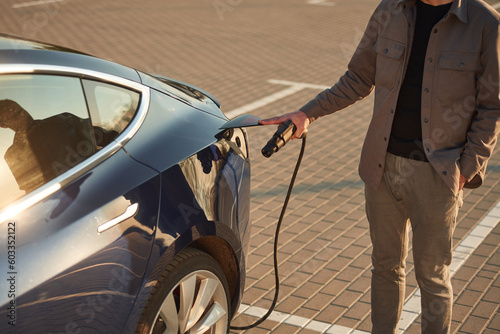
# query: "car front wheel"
{"points": [[191, 297]]}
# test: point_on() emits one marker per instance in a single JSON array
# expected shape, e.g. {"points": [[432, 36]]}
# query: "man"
{"points": [[434, 66]]}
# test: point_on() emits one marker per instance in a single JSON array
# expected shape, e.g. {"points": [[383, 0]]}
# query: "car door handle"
{"points": [[130, 212]]}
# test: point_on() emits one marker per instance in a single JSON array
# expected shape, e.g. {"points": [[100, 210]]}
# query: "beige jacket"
{"points": [[460, 91]]}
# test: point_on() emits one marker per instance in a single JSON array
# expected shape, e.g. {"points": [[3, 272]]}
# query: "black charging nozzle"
{"points": [[280, 138]]}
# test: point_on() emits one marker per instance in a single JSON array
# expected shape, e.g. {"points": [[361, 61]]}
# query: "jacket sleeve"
{"points": [[485, 126], [355, 84]]}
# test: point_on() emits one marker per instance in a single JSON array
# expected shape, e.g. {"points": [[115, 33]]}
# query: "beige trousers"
{"points": [[412, 195]]}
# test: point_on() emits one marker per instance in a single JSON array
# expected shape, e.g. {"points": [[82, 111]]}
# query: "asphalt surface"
{"points": [[267, 58]]}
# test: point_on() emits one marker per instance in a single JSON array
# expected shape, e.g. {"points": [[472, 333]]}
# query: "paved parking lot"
{"points": [[265, 58]]}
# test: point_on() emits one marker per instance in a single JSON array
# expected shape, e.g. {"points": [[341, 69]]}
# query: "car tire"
{"points": [[191, 297]]}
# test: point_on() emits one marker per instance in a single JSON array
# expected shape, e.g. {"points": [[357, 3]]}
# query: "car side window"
{"points": [[45, 130], [111, 109]]}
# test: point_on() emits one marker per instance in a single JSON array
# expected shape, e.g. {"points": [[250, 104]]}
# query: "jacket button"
{"points": [[461, 65], [392, 111], [445, 173], [429, 60], [426, 90], [428, 150], [380, 165], [426, 120], [386, 51], [435, 30], [385, 138]]}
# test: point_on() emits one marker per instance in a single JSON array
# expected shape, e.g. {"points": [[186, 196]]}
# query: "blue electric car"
{"points": [[124, 208]]}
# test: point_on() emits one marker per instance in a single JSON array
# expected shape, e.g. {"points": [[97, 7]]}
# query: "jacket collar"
{"points": [[458, 8]]}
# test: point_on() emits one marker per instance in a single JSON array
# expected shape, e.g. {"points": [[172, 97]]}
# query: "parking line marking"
{"points": [[297, 321], [264, 101], [34, 3], [293, 88], [461, 254], [321, 2], [294, 83]]}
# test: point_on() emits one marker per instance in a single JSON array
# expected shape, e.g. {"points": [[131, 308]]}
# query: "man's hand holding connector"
{"points": [[298, 118]]}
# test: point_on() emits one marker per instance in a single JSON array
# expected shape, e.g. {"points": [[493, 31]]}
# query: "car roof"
{"points": [[15, 50]]}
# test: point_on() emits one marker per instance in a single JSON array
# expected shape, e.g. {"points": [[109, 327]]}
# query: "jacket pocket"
{"points": [[457, 76], [389, 60]]}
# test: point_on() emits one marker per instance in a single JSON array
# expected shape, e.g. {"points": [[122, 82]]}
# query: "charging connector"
{"points": [[280, 138]]}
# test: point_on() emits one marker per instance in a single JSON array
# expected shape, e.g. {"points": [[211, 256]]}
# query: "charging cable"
{"points": [[280, 138]]}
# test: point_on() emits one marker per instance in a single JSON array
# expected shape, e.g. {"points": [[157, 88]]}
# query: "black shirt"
{"points": [[406, 133]]}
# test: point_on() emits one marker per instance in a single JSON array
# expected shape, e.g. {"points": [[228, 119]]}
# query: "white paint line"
{"points": [[294, 83], [34, 3], [317, 326], [294, 320], [294, 88], [496, 5], [297, 321], [336, 329], [321, 2], [495, 212], [263, 101], [461, 254]]}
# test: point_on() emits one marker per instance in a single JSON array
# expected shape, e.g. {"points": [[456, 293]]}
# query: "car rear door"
{"points": [[79, 214]]}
